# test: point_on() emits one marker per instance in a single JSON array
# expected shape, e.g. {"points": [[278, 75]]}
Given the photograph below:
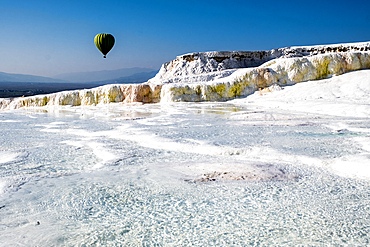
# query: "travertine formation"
{"points": [[205, 62], [218, 76], [125, 93], [282, 71]]}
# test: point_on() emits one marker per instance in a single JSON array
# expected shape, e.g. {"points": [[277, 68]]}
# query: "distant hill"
{"points": [[8, 77], [16, 85], [135, 78], [134, 74]]}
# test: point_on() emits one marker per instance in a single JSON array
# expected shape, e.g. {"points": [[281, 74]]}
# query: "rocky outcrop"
{"points": [[282, 71], [125, 93], [233, 170], [206, 62]]}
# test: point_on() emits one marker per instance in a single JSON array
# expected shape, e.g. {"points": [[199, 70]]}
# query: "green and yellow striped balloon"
{"points": [[104, 42]]}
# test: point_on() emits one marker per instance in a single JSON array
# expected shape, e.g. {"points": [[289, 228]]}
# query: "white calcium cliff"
{"points": [[224, 85], [217, 76], [205, 62]]}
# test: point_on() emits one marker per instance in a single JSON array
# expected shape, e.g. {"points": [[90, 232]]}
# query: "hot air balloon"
{"points": [[104, 42]]}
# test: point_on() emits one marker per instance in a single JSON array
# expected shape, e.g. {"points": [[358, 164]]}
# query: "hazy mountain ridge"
{"points": [[28, 88], [9, 77], [107, 75], [135, 78]]}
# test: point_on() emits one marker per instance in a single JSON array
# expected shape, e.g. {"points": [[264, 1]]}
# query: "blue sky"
{"points": [[52, 37]]}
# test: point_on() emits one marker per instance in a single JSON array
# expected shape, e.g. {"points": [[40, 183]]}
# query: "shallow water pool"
{"points": [[130, 175]]}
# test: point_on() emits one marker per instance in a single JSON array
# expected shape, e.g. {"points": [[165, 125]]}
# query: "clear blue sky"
{"points": [[53, 36]]}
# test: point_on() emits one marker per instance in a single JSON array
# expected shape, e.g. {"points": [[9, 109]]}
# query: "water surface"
{"points": [[118, 175]]}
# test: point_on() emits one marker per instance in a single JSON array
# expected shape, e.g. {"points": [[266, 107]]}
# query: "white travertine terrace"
{"points": [[217, 76], [224, 85]]}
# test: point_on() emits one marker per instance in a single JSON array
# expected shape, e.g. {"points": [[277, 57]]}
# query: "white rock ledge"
{"points": [[282, 71], [125, 93], [205, 62]]}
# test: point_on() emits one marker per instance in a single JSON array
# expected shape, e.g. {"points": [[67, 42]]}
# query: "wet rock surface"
{"points": [[236, 171]]}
